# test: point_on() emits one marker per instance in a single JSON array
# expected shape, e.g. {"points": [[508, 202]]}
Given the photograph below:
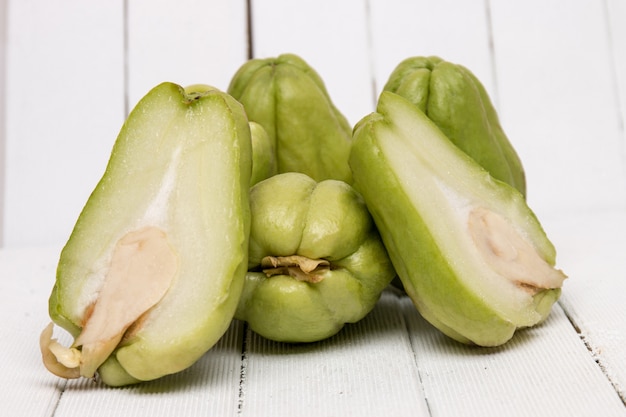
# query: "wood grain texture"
{"points": [[26, 278], [591, 250], [390, 361], [542, 371], [366, 369], [208, 388]]}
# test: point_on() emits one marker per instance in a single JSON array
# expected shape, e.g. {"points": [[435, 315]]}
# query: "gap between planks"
{"points": [[592, 352]]}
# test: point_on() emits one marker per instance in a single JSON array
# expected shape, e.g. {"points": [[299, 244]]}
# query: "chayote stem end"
{"points": [[298, 267]]}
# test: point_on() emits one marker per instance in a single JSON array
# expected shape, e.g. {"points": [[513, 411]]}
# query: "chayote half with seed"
{"points": [[469, 251], [289, 99], [457, 102], [316, 260], [151, 275]]}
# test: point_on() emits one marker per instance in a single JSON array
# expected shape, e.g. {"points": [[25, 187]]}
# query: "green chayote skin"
{"points": [[296, 218], [151, 275], [456, 101], [470, 253], [289, 99], [263, 154]]}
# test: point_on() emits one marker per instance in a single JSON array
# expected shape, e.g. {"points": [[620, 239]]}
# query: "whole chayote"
{"points": [[316, 260], [456, 101], [289, 99]]}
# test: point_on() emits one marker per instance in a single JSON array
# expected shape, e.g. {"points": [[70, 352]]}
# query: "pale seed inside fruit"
{"points": [[510, 254], [142, 269]]}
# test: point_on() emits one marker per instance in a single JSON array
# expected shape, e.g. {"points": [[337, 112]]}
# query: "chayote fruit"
{"points": [[469, 251], [456, 101], [316, 260], [288, 98], [263, 154], [151, 275]]}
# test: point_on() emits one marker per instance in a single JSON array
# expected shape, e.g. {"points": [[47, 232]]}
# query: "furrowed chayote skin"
{"points": [[151, 275], [457, 102], [469, 251], [316, 260], [288, 98]]}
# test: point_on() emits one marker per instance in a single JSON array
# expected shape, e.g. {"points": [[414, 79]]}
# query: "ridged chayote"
{"points": [[457, 102], [288, 98]]}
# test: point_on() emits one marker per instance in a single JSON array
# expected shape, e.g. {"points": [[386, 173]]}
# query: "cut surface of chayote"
{"points": [[469, 251], [151, 275], [457, 102], [316, 260], [288, 98], [263, 152]]}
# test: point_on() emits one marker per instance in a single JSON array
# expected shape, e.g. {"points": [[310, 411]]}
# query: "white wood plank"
{"points": [[543, 371], [455, 31], [64, 108], [591, 249], [557, 102], [26, 279], [210, 387], [3, 42], [331, 36], [368, 369], [616, 11], [189, 42]]}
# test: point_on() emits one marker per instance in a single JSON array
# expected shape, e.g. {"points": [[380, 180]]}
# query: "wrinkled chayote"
{"points": [[456, 101], [469, 251], [316, 260], [288, 98], [151, 275]]}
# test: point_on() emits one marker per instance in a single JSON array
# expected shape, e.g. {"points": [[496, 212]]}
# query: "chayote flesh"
{"points": [[316, 260], [469, 251], [457, 102], [288, 98], [151, 275], [263, 152]]}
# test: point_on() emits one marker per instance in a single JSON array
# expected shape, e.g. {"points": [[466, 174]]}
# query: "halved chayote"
{"points": [[150, 277], [469, 251], [263, 152], [316, 260], [289, 99], [457, 102]]}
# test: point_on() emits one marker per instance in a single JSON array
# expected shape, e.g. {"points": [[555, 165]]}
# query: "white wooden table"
{"points": [[70, 71]]}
